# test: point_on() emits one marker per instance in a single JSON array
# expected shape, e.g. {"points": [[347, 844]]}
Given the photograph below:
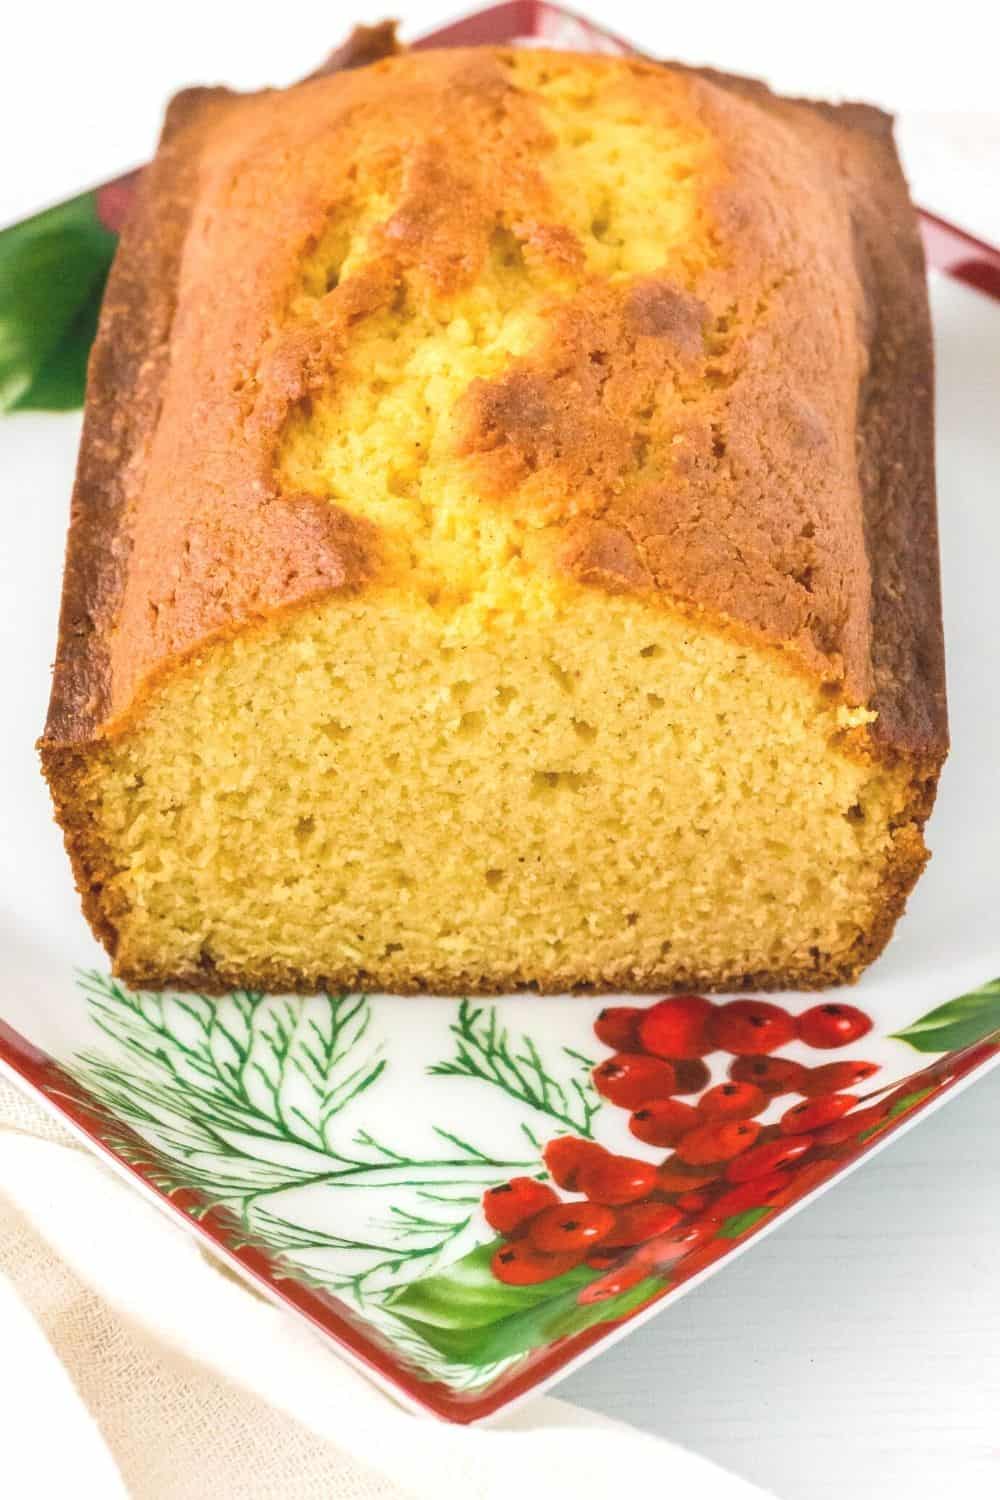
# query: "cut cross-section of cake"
{"points": [[503, 550]]}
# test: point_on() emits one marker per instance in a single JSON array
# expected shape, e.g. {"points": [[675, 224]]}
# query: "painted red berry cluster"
{"points": [[734, 1150]]}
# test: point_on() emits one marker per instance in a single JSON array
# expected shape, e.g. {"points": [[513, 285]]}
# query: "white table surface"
{"points": [[856, 1352]]}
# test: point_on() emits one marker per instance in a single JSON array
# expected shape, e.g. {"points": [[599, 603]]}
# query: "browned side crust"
{"points": [[895, 426], [895, 435], [366, 44], [275, 979], [125, 376], [897, 475], [127, 368], [124, 380]]}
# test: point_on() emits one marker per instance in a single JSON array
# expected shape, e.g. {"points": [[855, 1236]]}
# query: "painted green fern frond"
{"points": [[363, 1268], [235, 1100], [486, 1050], [251, 1063]]}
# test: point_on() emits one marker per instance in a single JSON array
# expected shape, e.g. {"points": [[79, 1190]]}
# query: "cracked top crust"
{"points": [[707, 373]]}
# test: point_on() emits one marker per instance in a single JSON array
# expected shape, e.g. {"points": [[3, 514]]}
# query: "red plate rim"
{"points": [[44, 1078]]}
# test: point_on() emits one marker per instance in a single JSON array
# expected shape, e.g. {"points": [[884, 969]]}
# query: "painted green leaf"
{"points": [[959, 1023], [537, 1324], [467, 1295], [53, 268], [61, 381], [900, 1107], [738, 1224]]}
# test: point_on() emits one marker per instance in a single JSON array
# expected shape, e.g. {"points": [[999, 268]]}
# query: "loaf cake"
{"points": [[503, 551]]}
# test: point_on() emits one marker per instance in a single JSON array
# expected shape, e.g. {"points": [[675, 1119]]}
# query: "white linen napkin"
{"points": [[163, 1378]]}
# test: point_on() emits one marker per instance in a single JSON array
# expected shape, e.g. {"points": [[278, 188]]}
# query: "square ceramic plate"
{"points": [[336, 1149]]}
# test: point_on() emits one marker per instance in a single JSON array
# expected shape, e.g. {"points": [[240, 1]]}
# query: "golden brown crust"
{"points": [[366, 44], [895, 425], [125, 377], [747, 505], [792, 499], [709, 425], [896, 462]]}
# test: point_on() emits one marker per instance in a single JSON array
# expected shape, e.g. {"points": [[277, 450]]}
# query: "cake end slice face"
{"points": [[501, 553], [611, 797]]}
